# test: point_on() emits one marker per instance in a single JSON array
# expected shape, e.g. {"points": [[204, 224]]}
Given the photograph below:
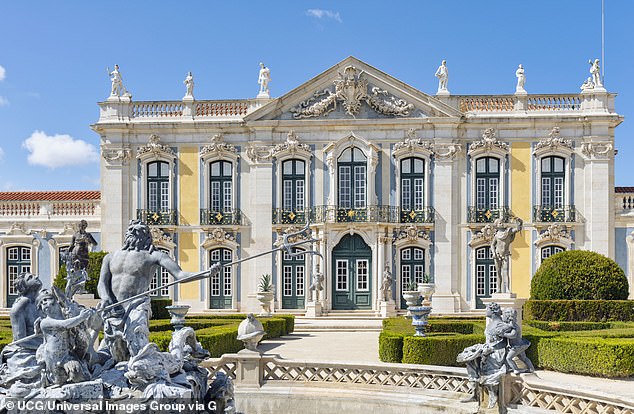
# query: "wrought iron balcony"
{"points": [[281, 216], [369, 214], [487, 215], [424, 215], [158, 218], [210, 217], [560, 214]]}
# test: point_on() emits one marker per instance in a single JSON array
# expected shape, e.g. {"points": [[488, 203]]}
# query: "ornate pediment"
{"points": [[484, 236], [488, 143], [291, 147], [161, 239], [18, 229], [219, 236], [555, 233], [555, 143], [297, 237], [154, 149], [217, 148], [411, 234], [413, 145]]}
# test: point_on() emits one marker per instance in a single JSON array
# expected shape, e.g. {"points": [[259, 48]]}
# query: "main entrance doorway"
{"points": [[352, 274]]}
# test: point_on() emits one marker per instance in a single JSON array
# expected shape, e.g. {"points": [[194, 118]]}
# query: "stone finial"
{"points": [[250, 332]]}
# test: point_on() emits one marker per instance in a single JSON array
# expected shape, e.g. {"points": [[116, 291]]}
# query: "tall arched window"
{"points": [[550, 250], [352, 171], [412, 184], [293, 185], [222, 283], [412, 268], [485, 275], [487, 183], [552, 181], [221, 186], [158, 186], [293, 281], [160, 279]]}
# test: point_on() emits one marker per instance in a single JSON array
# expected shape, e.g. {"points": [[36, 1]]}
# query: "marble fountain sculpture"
{"points": [[54, 362]]}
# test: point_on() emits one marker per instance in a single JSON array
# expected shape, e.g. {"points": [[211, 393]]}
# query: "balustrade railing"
{"points": [[156, 109], [20, 208], [210, 217], [554, 102], [369, 214], [560, 214], [487, 103], [625, 202], [487, 215], [158, 218], [281, 216], [424, 215], [221, 108], [70, 208], [506, 103]]}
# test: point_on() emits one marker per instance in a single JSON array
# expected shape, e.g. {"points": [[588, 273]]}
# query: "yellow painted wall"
{"points": [[521, 206], [188, 208]]}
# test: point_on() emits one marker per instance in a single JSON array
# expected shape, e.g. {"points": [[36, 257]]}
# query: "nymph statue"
{"points": [[263, 79], [442, 73], [501, 249], [386, 284]]}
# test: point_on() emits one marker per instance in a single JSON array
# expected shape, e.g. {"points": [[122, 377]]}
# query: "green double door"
{"points": [[352, 274]]}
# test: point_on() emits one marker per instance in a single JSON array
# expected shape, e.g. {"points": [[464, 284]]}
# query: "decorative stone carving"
{"points": [[116, 156], [116, 79], [257, 153], [446, 151], [155, 148], [411, 233], [291, 146], [296, 235], [553, 143], [18, 229], [555, 233], [250, 332], [597, 150], [159, 237], [595, 72], [69, 229], [351, 88], [488, 143], [219, 235], [411, 143], [216, 147], [484, 236]]}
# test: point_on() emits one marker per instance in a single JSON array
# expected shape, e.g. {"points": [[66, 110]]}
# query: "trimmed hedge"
{"points": [[601, 349], [579, 310], [579, 274], [158, 308]]}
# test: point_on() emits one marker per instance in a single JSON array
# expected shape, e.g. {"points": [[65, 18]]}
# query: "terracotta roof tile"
{"points": [[50, 195], [624, 189]]}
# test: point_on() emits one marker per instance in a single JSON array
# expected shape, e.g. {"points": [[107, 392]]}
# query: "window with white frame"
{"points": [[221, 186], [158, 186], [352, 176], [412, 184], [293, 185], [160, 278], [550, 250], [487, 183], [18, 261], [553, 178], [485, 275]]}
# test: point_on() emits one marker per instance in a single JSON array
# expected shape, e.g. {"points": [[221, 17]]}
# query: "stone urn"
{"points": [[178, 313], [265, 299], [426, 290], [411, 299], [420, 314], [250, 332]]}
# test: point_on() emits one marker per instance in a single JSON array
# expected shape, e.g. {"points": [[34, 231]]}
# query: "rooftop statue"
{"points": [[263, 80], [442, 73], [117, 83], [189, 85], [595, 71], [80, 245], [521, 79]]}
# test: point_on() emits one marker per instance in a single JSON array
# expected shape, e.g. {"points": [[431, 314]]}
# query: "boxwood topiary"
{"points": [[579, 274]]}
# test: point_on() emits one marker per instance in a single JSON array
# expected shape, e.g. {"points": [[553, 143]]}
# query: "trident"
{"points": [[285, 245]]}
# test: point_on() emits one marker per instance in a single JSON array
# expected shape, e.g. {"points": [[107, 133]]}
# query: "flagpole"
{"points": [[603, 40]]}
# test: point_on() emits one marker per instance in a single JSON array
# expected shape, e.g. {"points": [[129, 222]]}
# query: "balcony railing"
{"points": [[219, 218], [158, 218], [487, 215], [281, 216], [561, 214], [369, 214]]}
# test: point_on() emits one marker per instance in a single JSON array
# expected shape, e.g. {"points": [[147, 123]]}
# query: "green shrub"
{"points": [[579, 310], [290, 323], [578, 274], [273, 327], [158, 308], [437, 350], [568, 326], [390, 347]]}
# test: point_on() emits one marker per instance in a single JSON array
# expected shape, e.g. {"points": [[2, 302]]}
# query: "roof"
{"points": [[624, 189], [50, 195]]}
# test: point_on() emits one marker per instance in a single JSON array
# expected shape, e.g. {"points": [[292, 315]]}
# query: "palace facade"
{"points": [[386, 175]]}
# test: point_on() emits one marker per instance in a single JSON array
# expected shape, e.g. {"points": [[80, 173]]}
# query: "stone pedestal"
{"points": [[248, 368], [387, 309], [86, 299], [313, 309], [521, 101], [507, 300]]}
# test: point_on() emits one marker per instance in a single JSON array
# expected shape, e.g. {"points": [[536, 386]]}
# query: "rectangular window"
{"points": [[480, 274], [226, 255], [407, 192], [405, 254], [165, 279], [418, 194], [481, 193], [288, 195], [418, 273], [559, 192], [406, 277], [215, 256], [342, 275], [493, 283], [226, 271], [215, 285], [299, 201], [359, 187], [299, 280], [546, 201], [26, 255], [493, 193], [13, 274], [482, 253], [215, 195], [418, 254], [154, 284], [363, 277], [345, 200], [165, 202], [228, 196], [153, 196], [287, 272]]}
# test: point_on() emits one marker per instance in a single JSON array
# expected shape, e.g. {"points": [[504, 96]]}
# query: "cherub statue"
{"points": [[517, 345]]}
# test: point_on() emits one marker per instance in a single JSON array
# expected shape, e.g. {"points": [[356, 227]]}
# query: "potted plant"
{"points": [[427, 288], [265, 294], [411, 295]]}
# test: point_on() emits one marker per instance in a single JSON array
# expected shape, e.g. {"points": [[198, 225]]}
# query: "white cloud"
{"points": [[3, 73], [58, 150], [3, 101], [328, 14]]}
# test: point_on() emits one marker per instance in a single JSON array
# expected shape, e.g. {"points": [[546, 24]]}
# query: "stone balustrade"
{"points": [[156, 109], [281, 378], [508, 103], [221, 108], [624, 203], [554, 102], [486, 103], [176, 110], [35, 209]]}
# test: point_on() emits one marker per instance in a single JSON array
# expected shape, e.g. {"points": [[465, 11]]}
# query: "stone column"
{"points": [[380, 265], [448, 203], [325, 298], [117, 207]]}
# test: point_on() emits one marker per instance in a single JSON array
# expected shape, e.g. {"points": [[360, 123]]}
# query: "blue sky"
{"points": [[53, 59]]}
